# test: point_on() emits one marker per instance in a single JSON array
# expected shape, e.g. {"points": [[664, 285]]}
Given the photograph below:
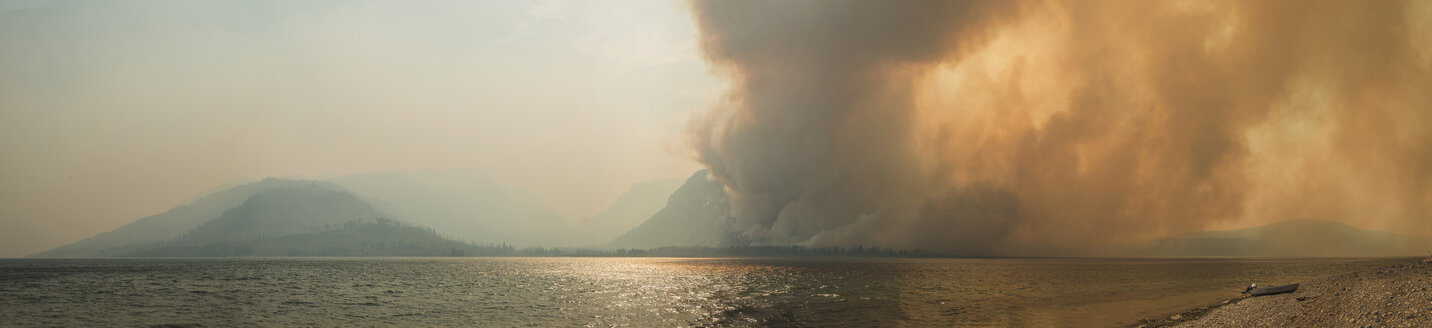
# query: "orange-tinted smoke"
{"points": [[1050, 127]]}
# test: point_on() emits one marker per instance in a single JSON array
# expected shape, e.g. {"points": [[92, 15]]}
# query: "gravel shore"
{"points": [[1394, 296]]}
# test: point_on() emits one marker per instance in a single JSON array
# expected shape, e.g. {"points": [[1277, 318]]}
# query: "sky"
{"points": [[115, 110], [966, 127]]}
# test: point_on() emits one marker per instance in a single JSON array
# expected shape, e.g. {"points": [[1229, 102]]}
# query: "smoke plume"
{"points": [[1009, 127]]}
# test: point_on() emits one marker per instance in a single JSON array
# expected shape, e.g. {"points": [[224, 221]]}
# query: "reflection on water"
{"points": [[628, 291]]}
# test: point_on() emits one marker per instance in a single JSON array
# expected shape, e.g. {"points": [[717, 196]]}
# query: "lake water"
{"points": [[629, 291]]}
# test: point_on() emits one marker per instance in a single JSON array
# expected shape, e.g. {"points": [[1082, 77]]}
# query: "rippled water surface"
{"points": [[628, 291]]}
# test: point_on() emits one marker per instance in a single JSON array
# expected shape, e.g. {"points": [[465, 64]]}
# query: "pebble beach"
{"points": [[1394, 296]]}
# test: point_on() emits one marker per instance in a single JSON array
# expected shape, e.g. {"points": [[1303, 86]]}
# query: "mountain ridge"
{"points": [[634, 207], [696, 214], [173, 222], [280, 217], [1292, 238]]}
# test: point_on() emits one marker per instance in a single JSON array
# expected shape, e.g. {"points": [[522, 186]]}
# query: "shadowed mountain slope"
{"points": [[174, 222], [697, 214], [629, 210]]}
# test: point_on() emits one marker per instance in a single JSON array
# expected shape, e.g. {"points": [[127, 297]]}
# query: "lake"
{"points": [[629, 291]]}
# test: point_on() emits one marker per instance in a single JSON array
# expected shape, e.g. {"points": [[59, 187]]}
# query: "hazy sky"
{"points": [[979, 127], [115, 110]]}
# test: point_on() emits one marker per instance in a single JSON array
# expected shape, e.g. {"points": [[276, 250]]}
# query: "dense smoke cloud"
{"points": [[989, 127]]}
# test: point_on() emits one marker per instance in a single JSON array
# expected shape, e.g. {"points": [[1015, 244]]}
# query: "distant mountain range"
{"points": [[1294, 238], [381, 238], [272, 217], [374, 214], [313, 220], [171, 224], [443, 213]]}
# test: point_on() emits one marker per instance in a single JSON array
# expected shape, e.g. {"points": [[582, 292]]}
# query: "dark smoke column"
{"points": [[814, 141]]}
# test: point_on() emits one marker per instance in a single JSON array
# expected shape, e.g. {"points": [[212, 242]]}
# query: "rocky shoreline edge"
{"points": [[1394, 296]]}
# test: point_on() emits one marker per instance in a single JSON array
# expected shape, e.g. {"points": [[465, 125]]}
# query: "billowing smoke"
{"points": [[1004, 127]]}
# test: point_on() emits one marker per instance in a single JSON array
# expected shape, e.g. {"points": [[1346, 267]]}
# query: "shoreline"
{"points": [[1398, 295], [1187, 316]]}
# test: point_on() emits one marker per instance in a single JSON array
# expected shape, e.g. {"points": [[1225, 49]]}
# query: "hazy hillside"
{"points": [[382, 238], [283, 211], [695, 215], [262, 215], [1293, 238], [629, 210], [174, 222], [464, 205], [292, 218]]}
